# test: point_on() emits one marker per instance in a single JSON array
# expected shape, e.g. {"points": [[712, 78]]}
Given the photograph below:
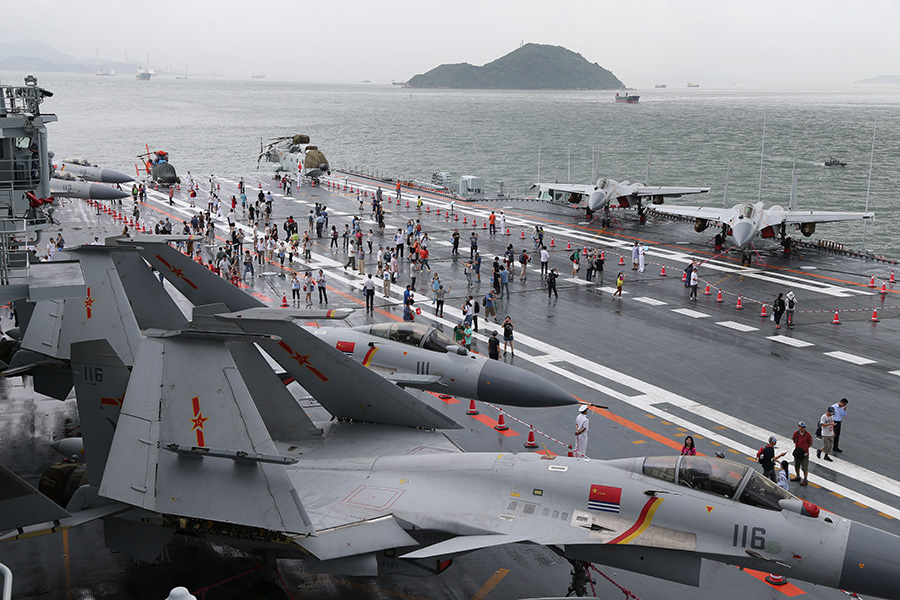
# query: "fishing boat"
{"points": [[626, 98], [833, 162]]}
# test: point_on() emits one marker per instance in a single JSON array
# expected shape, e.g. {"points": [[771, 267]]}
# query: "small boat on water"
{"points": [[833, 162], [693, 85], [660, 86], [626, 98]]}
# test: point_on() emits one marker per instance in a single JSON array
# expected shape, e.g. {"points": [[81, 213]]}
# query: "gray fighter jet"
{"points": [[83, 169], [206, 442], [409, 354]]}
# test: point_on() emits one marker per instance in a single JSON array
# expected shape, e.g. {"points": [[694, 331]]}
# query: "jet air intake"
{"points": [[699, 225], [807, 229]]}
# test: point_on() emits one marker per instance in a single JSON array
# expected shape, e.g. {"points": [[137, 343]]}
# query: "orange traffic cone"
{"points": [[472, 410], [552, 243], [571, 452], [706, 292], [284, 303], [719, 297], [464, 219], [883, 288], [407, 204], [603, 257], [456, 217], [531, 442], [763, 314], [501, 423], [683, 276], [739, 304], [522, 237], [484, 224], [427, 208], [568, 245], [892, 280], [871, 283], [621, 260], [507, 231], [874, 318], [837, 319], [662, 273]]}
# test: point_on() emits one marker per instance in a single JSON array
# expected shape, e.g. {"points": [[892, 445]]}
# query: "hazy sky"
{"points": [[778, 42]]}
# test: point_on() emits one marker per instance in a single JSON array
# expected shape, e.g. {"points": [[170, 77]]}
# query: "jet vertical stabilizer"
{"points": [[342, 386], [100, 382], [191, 443], [194, 282]]}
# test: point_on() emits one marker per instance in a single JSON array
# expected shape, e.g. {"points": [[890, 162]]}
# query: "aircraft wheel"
{"points": [[265, 590]]}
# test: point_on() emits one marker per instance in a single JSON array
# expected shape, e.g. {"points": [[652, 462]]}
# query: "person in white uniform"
{"points": [[581, 431]]}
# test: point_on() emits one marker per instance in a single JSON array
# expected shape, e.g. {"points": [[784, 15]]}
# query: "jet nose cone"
{"points": [[500, 383], [597, 200], [871, 563], [742, 232], [104, 192], [110, 176]]}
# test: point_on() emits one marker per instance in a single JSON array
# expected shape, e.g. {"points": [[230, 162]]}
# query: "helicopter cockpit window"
{"points": [[661, 467], [382, 330], [762, 492], [437, 341], [716, 476]]}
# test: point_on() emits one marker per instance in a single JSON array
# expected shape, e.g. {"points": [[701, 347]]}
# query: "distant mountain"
{"points": [[881, 79], [38, 57], [531, 67]]}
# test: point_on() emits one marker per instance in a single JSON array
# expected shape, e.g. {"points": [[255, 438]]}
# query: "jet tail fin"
{"points": [[190, 441], [195, 282], [101, 379], [342, 386], [792, 204]]}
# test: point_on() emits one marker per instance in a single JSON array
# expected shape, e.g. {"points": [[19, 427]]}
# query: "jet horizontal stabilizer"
{"points": [[22, 505]]}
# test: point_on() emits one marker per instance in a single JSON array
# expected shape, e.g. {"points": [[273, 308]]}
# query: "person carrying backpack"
{"points": [[790, 307], [766, 457]]}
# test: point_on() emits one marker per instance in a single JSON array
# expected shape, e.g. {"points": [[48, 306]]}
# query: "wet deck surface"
{"points": [[666, 367]]}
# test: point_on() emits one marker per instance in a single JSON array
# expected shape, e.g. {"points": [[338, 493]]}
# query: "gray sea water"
{"points": [[693, 136]]}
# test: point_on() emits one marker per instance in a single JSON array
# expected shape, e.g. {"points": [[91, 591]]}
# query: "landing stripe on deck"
{"points": [[650, 301], [609, 289], [789, 341], [850, 358], [737, 326], [689, 313]]}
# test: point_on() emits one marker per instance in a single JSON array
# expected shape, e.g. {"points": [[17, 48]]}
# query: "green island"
{"points": [[529, 67]]}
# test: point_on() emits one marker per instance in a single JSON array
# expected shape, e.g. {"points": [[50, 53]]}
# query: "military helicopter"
{"points": [[158, 167], [294, 154]]}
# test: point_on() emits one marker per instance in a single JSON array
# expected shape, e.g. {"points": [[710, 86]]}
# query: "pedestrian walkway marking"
{"points": [[650, 301], [610, 289], [789, 341], [737, 326], [850, 358], [690, 313], [578, 281], [443, 242]]}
